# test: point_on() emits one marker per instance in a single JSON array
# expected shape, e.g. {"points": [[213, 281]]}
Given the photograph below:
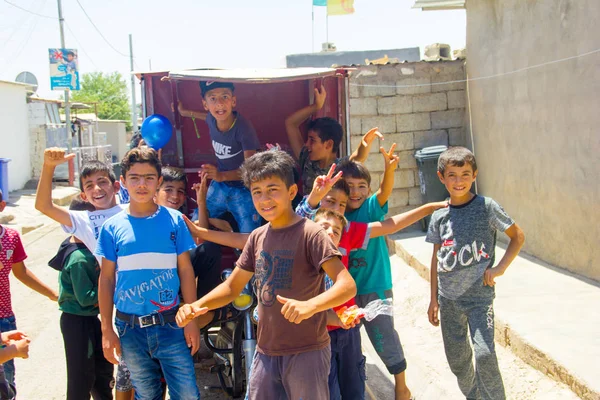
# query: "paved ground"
{"points": [[428, 374], [42, 376]]}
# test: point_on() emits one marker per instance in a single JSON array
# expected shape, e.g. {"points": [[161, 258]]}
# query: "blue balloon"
{"points": [[156, 131]]}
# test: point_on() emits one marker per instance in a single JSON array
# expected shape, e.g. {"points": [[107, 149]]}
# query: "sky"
{"points": [[181, 34]]}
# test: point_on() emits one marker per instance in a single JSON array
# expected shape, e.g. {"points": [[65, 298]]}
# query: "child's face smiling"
{"points": [[171, 194], [335, 200], [333, 228], [142, 182], [220, 103], [271, 198], [458, 180], [99, 190], [317, 149], [359, 192]]}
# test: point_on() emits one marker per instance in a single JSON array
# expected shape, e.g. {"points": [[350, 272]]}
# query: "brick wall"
{"points": [[411, 109]]}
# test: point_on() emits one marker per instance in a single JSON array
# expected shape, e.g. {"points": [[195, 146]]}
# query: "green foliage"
{"points": [[110, 91]]}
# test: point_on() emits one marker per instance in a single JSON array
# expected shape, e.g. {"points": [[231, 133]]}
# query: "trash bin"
{"points": [[4, 177], [431, 187]]}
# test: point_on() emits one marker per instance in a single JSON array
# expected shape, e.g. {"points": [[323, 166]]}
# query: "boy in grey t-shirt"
{"points": [[463, 274]]}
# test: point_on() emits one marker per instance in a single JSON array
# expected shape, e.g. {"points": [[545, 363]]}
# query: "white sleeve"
{"points": [[78, 219]]}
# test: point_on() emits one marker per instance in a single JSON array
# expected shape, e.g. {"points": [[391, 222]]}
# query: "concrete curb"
{"points": [[506, 337]]}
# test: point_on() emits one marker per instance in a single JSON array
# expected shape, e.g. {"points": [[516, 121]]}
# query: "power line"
{"points": [[481, 78], [80, 46], [29, 11], [98, 30]]}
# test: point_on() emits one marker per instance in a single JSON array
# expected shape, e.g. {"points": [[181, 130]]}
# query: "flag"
{"points": [[319, 3], [340, 7]]}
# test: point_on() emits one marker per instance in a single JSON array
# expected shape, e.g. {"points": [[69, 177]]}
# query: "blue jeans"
{"points": [[9, 324], [148, 350], [347, 375], [237, 200]]}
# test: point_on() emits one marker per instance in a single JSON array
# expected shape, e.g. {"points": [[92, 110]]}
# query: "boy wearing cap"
{"points": [[234, 139]]}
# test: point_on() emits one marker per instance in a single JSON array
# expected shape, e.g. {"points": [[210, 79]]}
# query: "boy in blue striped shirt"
{"points": [[145, 261]]}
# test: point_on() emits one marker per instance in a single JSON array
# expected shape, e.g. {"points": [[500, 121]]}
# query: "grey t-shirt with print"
{"points": [[467, 235]]}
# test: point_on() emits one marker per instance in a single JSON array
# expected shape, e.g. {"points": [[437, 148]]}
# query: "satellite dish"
{"points": [[29, 79]]}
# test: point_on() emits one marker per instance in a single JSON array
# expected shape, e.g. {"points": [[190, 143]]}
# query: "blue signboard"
{"points": [[64, 69]]}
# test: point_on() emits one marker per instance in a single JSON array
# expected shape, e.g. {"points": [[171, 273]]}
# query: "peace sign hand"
{"points": [[391, 160], [322, 186]]}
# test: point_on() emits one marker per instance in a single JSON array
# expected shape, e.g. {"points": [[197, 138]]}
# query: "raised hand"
{"points": [[370, 136], [55, 156], [201, 188], [320, 96], [324, 183], [391, 160]]}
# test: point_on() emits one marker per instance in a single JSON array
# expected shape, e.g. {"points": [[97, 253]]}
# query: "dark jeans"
{"points": [[88, 372], [347, 375], [206, 260], [9, 324]]}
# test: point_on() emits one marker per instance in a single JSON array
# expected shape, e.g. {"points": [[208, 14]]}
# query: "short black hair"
{"points": [[353, 169], [70, 53], [456, 156], [78, 204], [94, 166], [136, 138], [267, 164], [140, 155], [343, 186], [328, 129], [173, 174]]}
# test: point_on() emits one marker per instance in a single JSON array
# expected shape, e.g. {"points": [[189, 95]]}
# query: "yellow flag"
{"points": [[340, 7]]}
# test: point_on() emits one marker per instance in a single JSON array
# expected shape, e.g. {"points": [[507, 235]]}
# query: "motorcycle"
{"points": [[232, 340]]}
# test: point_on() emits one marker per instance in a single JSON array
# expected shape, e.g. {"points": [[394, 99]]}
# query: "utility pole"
{"points": [[61, 21], [133, 102]]}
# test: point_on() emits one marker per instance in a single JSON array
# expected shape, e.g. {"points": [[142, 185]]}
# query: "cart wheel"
{"points": [[233, 378]]}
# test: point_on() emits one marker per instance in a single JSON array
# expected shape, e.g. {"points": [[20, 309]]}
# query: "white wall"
{"points": [[14, 133]]}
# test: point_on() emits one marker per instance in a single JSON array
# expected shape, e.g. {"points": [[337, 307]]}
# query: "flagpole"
{"points": [[327, 28], [313, 28]]}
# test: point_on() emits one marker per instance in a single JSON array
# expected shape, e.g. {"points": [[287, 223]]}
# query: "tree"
{"points": [[109, 91]]}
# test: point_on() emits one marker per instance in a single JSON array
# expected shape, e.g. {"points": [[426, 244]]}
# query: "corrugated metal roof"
{"points": [[427, 5], [253, 75]]}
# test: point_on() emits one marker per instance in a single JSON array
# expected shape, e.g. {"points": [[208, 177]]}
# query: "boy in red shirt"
{"points": [[12, 255]]}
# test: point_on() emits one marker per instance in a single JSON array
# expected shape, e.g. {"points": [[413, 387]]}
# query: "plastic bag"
{"points": [[369, 312]]}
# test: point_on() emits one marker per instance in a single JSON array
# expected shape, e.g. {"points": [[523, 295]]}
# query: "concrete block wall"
{"points": [[36, 115], [414, 105]]}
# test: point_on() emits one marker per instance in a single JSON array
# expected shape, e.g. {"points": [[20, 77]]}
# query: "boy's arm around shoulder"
{"points": [[401, 221], [223, 294], [43, 197]]}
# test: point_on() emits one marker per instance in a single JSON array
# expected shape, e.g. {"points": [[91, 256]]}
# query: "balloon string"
{"points": [[196, 128]]}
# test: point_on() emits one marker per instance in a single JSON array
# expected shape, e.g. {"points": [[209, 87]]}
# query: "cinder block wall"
{"points": [[413, 108]]}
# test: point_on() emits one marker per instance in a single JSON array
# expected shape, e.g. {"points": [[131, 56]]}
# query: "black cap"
{"points": [[206, 86]]}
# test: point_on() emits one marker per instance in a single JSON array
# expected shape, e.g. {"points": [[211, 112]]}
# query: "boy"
{"points": [[148, 246], [371, 268], [288, 257], [88, 372], [99, 187], [12, 255], [323, 141], [463, 274], [234, 140]]}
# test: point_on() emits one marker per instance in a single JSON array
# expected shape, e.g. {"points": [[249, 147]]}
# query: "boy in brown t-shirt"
{"points": [[288, 257]]}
